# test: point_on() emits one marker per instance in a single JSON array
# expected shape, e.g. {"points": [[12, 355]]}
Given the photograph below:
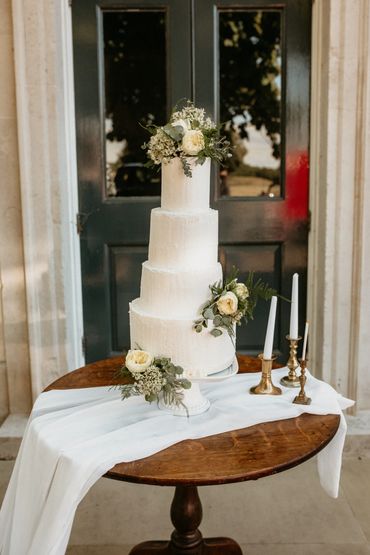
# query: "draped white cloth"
{"points": [[74, 436]]}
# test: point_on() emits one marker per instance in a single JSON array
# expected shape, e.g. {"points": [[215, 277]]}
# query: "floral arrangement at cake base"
{"points": [[232, 302], [189, 135], [155, 378]]}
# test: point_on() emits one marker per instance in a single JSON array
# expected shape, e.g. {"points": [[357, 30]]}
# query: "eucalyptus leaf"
{"points": [[174, 131], [186, 167], [198, 328], [216, 332], [217, 320], [208, 314]]}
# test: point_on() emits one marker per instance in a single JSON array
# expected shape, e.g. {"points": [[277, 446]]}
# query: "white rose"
{"points": [[241, 291], [138, 361], [193, 142], [183, 123], [228, 303]]}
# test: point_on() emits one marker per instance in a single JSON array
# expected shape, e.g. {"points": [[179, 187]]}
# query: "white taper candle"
{"points": [[293, 331], [269, 340], [305, 341]]}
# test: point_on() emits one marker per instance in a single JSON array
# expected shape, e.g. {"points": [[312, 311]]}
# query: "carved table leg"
{"points": [[186, 539]]}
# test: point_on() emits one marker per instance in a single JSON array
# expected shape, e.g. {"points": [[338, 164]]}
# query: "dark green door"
{"points": [[248, 64]]}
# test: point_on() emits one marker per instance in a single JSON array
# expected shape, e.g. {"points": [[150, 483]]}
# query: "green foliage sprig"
{"points": [[161, 380], [232, 302]]}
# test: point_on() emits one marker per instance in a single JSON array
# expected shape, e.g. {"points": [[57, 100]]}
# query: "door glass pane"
{"points": [[250, 67], [135, 95]]}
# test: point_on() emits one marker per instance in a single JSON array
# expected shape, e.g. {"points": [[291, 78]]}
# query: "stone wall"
{"points": [[15, 390]]}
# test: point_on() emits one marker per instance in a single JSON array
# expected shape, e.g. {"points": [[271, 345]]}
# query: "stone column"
{"points": [[339, 253], [44, 92], [15, 388]]}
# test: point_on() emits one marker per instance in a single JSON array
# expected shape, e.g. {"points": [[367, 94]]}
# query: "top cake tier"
{"points": [[185, 194]]}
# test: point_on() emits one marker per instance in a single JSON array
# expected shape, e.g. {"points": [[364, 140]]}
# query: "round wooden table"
{"points": [[245, 454]]}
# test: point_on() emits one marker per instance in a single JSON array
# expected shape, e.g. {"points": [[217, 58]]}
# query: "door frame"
{"points": [[66, 290]]}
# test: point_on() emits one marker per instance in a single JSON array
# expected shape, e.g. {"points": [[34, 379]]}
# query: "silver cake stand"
{"points": [[194, 400]]}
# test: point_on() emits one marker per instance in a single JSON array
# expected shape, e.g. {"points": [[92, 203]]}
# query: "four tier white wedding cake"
{"points": [[183, 262]]}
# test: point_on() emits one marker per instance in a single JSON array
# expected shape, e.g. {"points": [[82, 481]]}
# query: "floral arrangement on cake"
{"points": [[156, 378], [190, 133], [232, 302]]}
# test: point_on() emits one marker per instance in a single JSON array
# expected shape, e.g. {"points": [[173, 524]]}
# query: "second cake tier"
{"points": [[183, 240], [170, 293]]}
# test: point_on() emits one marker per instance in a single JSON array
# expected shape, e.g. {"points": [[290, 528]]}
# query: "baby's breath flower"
{"points": [[160, 380], [238, 316], [151, 381], [196, 116], [161, 147]]}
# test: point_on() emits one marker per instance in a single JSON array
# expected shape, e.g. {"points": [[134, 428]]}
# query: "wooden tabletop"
{"points": [[245, 454]]}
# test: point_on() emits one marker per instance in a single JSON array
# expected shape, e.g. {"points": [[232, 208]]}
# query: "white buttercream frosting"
{"points": [[176, 293], [198, 353], [182, 240], [184, 194]]}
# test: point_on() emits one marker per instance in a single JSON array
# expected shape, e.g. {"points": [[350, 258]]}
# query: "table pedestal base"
{"points": [[211, 546], [186, 539]]}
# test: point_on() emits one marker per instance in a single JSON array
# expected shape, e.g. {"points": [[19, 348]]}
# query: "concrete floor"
{"points": [[284, 514]]}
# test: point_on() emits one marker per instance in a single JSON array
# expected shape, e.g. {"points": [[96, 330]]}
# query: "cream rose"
{"points": [[193, 142], [183, 123], [241, 291], [138, 361], [228, 304]]}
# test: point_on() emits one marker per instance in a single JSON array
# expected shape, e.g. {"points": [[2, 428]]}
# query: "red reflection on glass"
{"points": [[296, 179]]}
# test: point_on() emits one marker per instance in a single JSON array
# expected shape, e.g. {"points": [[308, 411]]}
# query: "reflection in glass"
{"points": [[135, 93], [250, 100]]}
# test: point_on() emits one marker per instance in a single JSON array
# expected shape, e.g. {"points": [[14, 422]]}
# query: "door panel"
{"points": [[106, 219], [279, 219], [124, 279], [267, 258]]}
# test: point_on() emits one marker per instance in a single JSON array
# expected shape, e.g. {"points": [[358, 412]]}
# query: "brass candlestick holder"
{"points": [[266, 387], [292, 380], [301, 398]]}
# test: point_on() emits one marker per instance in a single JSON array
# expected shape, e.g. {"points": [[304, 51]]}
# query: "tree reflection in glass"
{"points": [[250, 100], [135, 93]]}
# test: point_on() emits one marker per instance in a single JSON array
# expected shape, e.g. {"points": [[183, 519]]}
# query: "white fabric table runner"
{"points": [[74, 436]]}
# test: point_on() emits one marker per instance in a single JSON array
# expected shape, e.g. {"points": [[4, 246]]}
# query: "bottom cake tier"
{"points": [[199, 354]]}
